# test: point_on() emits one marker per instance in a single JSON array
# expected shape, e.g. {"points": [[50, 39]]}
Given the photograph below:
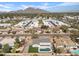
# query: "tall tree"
{"points": [[6, 48]]}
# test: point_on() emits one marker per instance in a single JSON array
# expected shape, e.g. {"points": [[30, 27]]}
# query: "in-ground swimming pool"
{"points": [[75, 52], [46, 49]]}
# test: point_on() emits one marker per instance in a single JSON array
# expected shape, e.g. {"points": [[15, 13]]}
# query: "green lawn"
{"points": [[33, 49]]}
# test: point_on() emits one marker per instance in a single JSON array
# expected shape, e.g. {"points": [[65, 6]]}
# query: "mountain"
{"points": [[2, 12], [31, 10]]}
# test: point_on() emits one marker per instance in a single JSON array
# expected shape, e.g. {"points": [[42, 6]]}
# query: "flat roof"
{"points": [[41, 39]]}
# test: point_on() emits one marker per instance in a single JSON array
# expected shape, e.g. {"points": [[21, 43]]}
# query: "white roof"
{"points": [[7, 40], [45, 43], [77, 38]]}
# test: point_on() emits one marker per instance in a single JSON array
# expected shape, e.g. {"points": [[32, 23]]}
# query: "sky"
{"points": [[49, 6]]}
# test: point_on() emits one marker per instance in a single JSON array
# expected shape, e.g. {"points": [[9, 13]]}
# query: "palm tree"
{"points": [[13, 50]]}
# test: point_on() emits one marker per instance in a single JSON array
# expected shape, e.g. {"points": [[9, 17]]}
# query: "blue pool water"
{"points": [[47, 49], [75, 51]]}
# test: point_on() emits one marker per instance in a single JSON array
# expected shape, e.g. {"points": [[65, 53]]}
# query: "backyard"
{"points": [[33, 49]]}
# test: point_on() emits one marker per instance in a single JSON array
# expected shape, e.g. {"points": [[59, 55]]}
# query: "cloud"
{"points": [[26, 6], [4, 10], [46, 4], [4, 6], [67, 4], [65, 7], [43, 6]]}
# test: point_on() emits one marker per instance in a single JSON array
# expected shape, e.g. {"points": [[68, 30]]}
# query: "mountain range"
{"points": [[30, 10]]}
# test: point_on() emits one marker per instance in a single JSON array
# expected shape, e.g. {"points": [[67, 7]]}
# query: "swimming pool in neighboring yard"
{"points": [[75, 52]]}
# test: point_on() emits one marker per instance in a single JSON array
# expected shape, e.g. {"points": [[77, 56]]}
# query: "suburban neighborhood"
{"points": [[39, 33]]}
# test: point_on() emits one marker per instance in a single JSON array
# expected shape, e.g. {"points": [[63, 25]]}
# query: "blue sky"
{"points": [[49, 6]]}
